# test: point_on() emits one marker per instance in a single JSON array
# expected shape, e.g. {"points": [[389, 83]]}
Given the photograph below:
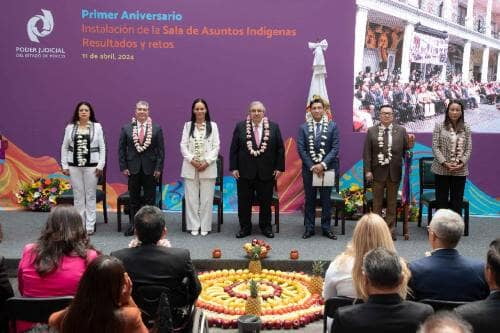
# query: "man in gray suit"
{"points": [[141, 156], [383, 153]]}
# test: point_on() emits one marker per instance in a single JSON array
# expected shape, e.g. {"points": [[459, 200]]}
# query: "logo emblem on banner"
{"points": [[48, 25]]}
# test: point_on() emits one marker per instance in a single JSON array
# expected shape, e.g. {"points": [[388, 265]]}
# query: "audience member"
{"points": [[385, 310], [149, 264], [484, 315], [5, 293], [103, 302], [445, 274], [54, 264], [445, 322]]}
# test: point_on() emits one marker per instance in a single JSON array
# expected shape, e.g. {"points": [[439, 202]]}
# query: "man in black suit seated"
{"points": [[445, 322], [257, 157], [151, 264], [384, 310], [485, 315], [445, 274]]}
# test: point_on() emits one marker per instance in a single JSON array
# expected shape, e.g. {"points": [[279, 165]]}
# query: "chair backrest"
{"points": [[35, 310], [442, 305], [332, 304], [427, 177]]}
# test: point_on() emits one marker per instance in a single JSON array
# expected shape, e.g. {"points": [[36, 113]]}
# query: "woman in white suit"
{"points": [[200, 148], [83, 154]]}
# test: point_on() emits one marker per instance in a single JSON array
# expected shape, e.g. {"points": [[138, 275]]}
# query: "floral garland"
{"points": [[263, 142], [457, 143], [147, 138], [315, 156], [384, 159], [81, 146], [199, 142]]}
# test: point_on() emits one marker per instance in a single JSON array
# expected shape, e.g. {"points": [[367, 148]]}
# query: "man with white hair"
{"points": [[445, 322], [445, 274]]}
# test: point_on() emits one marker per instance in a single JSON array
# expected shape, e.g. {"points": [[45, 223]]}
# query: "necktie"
{"points": [[386, 139], [318, 131], [141, 135], [256, 135]]}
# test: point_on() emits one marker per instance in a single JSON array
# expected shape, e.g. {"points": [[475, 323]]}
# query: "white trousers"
{"points": [[199, 194], [84, 183]]}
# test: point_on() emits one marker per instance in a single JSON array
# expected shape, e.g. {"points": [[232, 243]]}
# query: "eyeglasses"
{"points": [[142, 109], [390, 114]]}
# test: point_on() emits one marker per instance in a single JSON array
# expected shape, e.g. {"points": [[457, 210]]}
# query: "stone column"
{"points": [[469, 18], [466, 62], [359, 39], [447, 10], [498, 66], [405, 58], [484, 65]]}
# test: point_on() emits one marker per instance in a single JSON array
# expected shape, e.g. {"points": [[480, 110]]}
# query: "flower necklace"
{"points": [[263, 142], [199, 142], [457, 146], [384, 159], [317, 157], [81, 144], [147, 136]]}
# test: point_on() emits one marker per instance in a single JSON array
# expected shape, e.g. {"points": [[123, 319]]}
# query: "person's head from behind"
{"points": [[149, 223], [383, 271], [63, 234], [445, 229], [445, 322], [370, 232], [492, 268], [99, 296]]}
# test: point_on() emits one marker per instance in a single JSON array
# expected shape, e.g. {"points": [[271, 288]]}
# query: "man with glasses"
{"points": [[445, 274], [141, 155], [383, 154]]}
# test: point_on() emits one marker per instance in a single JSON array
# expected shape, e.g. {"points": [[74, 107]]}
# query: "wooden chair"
{"points": [[428, 198], [332, 304], [275, 203], [123, 201], [68, 197], [218, 196], [438, 305], [337, 202], [34, 310]]}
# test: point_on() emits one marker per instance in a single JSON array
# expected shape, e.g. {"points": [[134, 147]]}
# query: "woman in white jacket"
{"points": [[200, 148], [83, 154]]}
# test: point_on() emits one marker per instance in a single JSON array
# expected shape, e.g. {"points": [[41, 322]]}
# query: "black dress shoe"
{"points": [[268, 233], [307, 234], [129, 231], [329, 234], [243, 233]]}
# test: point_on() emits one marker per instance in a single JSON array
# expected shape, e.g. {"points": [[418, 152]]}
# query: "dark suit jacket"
{"points": [[331, 147], [261, 167], [382, 313], [151, 159], [158, 265], [371, 150], [484, 316], [446, 275], [5, 293]]}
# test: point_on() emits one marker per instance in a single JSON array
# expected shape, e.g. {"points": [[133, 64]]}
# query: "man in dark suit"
{"points": [[151, 264], [257, 157], [141, 156], [318, 147], [445, 274], [384, 311], [383, 153], [484, 315]]}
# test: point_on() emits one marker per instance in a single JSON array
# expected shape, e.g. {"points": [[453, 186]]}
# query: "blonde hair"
{"points": [[371, 232]]}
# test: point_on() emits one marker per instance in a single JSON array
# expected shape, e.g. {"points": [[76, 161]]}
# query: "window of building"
{"points": [[462, 12]]}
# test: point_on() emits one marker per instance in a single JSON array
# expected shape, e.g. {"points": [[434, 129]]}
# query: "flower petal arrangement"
{"points": [[41, 193], [353, 199]]}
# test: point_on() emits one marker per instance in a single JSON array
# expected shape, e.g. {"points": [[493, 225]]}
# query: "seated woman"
{"points": [[103, 302], [343, 277], [54, 264]]}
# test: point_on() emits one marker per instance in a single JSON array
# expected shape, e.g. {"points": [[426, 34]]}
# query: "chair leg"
{"points": [[277, 217], [183, 227], [429, 214], [119, 217], [420, 207], [336, 215], [466, 219], [105, 210], [219, 216], [343, 221]]}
